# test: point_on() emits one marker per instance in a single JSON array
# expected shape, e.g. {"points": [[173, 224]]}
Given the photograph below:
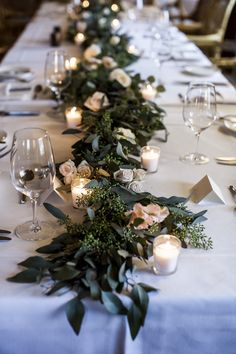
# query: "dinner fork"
{"points": [[5, 153], [3, 148]]}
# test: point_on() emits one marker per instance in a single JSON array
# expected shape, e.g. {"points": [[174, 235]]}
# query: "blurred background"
{"points": [[208, 23]]}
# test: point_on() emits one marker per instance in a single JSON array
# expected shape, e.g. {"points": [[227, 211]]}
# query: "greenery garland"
{"points": [[94, 258]]}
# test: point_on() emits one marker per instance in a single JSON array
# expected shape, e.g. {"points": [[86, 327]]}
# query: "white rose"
{"points": [[102, 21], [97, 101], [68, 179], [120, 76], [139, 174], [126, 134], [67, 168], [109, 62], [136, 186], [123, 175], [84, 169], [92, 51], [114, 40], [106, 11], [81, 26], [86, 14]]}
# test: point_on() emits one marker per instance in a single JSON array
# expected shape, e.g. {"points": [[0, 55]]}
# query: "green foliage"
{"points": [[92, 258]]}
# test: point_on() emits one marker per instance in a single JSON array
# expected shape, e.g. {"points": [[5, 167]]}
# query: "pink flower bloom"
{"points": [[150, 214]]}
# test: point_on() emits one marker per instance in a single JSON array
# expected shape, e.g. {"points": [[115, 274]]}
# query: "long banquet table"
{"points": [[194, 310]]}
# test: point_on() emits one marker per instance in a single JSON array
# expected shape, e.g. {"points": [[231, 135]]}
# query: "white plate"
{"points": [[230, 123], [14, 70], [201, 71]]}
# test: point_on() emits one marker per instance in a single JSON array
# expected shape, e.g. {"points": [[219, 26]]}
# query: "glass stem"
{"points": [[197, 142], [35, 227]]}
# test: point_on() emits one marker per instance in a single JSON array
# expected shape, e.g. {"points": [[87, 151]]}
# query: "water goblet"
{"points": [[199, 113], [32, 173], [57, 75]]}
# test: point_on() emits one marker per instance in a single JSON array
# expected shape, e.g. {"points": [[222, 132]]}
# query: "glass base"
{"points": [[195, 159], [26, 232]]}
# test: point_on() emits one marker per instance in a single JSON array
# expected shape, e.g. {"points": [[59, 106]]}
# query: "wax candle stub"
{"points": [[166, 249], [150, 158]]}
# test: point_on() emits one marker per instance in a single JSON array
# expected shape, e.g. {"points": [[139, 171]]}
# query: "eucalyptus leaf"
{"points": [[113, 303], [75, 313], [37, 263], [55, 211], [135, 320], [30, 275]]}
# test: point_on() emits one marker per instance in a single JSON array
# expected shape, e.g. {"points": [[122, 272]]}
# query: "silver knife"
{"points": [[188, 82], [226, 160], [16, 89], [19, 113]]}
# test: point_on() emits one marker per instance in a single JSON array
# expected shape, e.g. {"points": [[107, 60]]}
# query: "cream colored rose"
{"points": [[69, 179], [139, 174], [124, 175], [114, 40], [67, 168], [123, 133], [84, 170], [109, 62], [81, 26], [86, 15], [106, 11], [136, 186], [120, 76], [92, 51], [102, 22], [97, 101]]}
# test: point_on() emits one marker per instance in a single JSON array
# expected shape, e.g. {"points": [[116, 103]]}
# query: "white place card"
{"points": [[62, 193], [208, 190]]}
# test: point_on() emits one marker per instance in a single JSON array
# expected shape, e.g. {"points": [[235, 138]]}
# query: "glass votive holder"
{"points": [[73, 116], [78, 190], [150, 158], [148, 91], [166, 249]]}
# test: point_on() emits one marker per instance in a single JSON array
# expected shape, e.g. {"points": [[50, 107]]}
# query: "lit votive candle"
{"points": [[73, 116], [131, 49], [148, 92], [72, 63], [115, 24], [166, 249], [150, 158], [78, 190], [80, 38]]}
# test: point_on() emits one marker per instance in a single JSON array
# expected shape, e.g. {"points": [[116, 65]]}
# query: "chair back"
{"points": [[214, 15]]}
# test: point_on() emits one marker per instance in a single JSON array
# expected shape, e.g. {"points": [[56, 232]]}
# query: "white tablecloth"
{"points": [[194, 310]]}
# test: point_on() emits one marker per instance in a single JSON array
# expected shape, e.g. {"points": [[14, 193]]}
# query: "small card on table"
{"points": [[207, 189]]}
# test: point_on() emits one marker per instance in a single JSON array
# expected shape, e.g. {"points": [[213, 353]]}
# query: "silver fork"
{"points": [[5, 153], [3, 148]]}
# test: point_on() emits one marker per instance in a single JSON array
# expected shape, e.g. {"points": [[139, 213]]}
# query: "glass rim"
{"points": [[165, 238], [149, 147], [17, 133], [201, 83]]}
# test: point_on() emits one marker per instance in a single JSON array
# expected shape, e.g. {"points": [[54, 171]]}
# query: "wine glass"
{"points": [[57, 75], [199, 113], [32, 173]]}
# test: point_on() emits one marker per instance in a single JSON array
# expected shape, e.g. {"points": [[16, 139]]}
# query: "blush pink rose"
{"points": [[150, 214]]}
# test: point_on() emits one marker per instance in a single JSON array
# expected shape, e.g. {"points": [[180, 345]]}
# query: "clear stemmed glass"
{"points": [[57, 76], [32, 173], [199, 113]]}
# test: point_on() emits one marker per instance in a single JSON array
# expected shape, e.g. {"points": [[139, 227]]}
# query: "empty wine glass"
{"points": [[199, 113], [32, 173], [57, 76]]}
